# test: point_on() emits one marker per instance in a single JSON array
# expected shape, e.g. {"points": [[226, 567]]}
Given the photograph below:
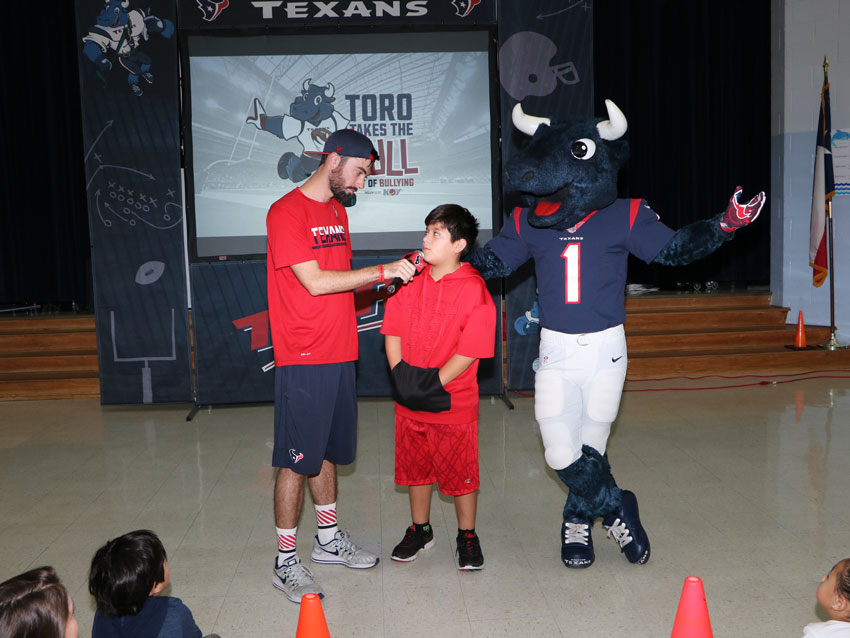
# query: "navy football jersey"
{"points": [[581, 272]]}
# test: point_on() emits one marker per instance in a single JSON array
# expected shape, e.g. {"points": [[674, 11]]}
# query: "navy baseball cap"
{"points": [[349, 143]]}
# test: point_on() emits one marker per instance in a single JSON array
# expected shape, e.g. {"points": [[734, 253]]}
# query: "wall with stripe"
{"points": [[802, 33]]}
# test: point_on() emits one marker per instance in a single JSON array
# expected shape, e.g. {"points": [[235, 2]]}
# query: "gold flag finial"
{"points": [[825, 66]]}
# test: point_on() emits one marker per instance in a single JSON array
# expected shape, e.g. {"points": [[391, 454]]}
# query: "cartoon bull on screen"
{"points": [[311, 119], [580, 236]]}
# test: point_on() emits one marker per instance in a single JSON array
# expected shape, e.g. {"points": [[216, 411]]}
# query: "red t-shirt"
{"points": [[308, 329], [438, 319]]}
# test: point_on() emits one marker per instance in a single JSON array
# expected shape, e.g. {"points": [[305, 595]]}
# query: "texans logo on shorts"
{"points": [[295, 456]]}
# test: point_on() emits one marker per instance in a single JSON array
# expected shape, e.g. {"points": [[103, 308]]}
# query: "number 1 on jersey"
{"points": [[572, 272]]}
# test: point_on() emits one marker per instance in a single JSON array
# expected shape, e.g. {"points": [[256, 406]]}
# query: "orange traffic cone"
{"points": [[692, 616], [800, 337], [311, 618]]}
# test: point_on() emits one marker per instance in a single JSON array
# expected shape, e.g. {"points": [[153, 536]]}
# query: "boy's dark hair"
{"points": [[460, 223], [124, 571], [842, 579], [34, 603]]}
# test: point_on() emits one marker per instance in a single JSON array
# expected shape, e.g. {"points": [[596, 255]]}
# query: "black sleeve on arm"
{"points": [[419, 388]]}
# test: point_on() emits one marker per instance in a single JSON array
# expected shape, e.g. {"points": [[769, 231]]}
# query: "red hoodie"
{"points": [[438, 319]]}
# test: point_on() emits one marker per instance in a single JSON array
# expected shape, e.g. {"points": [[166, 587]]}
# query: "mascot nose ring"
{"points": [[582, 340]]}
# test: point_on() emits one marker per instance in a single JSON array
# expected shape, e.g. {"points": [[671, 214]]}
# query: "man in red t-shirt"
{"points": [[314, 334]]}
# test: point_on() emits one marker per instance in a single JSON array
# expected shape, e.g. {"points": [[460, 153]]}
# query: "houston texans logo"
{"points": [[212, 8], [295, 456], [464, 7]]}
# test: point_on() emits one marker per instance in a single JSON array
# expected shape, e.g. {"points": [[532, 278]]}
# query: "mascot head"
{"points": [[314, 104], [569, 162], [115, 13]]}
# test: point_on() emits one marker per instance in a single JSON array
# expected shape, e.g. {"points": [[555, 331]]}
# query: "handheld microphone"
{"points": [[417, 258]]}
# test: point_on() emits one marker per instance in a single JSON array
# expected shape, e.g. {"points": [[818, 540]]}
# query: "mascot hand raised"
{"points": [[738, 215]]}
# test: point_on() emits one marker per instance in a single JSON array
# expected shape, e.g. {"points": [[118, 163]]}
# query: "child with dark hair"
{"points": [[436, 329], [35, 603], [833, 594], [127, 576]]}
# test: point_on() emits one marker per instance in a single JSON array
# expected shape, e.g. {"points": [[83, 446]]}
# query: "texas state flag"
{"points": [[822, 191]]}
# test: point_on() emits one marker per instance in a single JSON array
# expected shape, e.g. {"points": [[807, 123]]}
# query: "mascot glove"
{"points": [[419, 389], [154, 24], [738, 215]]}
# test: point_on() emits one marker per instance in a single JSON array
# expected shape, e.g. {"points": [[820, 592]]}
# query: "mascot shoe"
{"points": [[576, 543], [624, 526]]}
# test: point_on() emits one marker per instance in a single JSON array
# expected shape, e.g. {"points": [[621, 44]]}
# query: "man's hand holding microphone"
{"points": [[411, 264]]}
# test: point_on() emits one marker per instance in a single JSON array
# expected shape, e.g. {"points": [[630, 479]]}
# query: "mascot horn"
{"points": [[580, 236]]}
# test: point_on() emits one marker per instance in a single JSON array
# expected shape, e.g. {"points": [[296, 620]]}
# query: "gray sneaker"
{"points": [[295, 580], [343, 551]]}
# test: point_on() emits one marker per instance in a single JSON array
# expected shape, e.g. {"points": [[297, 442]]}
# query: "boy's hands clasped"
{"points": [[419, 389]]}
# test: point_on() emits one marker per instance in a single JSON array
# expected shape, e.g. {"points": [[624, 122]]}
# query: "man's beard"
{"points": [[338, 190]]}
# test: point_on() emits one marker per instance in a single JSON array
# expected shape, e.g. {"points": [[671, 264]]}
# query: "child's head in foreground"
{"points": [[834, 591], [127, 571], [35, 603], [451, 231]]}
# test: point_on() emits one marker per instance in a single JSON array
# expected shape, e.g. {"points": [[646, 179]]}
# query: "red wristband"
{"points": [[381, 273]]}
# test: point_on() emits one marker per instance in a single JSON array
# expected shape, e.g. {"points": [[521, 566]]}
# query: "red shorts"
{"points": [[445, 454]]}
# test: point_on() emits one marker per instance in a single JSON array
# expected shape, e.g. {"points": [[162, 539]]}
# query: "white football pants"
{"points": [[577, 391]]}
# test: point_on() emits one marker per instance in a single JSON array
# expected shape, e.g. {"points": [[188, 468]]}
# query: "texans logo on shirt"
{"points": [[328, 236], [295, 456]]}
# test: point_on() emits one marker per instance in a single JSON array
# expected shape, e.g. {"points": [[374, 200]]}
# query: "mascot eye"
{"points": [[317, 100], [583, 149]]}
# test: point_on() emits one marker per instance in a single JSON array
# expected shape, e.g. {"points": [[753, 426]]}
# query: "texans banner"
{"points": [[128, 85], [546, 63], [264, 14], [257, 105]]}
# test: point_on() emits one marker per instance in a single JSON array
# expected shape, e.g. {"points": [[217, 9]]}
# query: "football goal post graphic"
{"points": [[147, 388]]}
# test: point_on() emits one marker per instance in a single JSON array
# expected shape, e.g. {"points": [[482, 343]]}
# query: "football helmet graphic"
{"points": [[524, 66]]}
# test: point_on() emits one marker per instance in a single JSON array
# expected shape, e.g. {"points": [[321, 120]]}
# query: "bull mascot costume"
{"points": [[580, 236]]}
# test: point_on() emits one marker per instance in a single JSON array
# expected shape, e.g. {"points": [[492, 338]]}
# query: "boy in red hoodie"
{"points": [[436, 329]]}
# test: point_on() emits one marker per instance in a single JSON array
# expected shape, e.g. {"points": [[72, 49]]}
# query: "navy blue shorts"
{"points": [[315, 416]]}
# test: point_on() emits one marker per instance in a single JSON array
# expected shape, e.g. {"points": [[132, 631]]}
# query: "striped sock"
{"points": [[285, 544], [326, 522]]}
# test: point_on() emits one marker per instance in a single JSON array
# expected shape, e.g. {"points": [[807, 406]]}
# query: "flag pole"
{"points": [[832, 344]]}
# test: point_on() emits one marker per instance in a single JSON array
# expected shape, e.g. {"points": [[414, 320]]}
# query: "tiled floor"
{"points": [[746, 488]]}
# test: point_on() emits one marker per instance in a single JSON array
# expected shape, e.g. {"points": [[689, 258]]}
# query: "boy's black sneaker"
{"points": [[414, 541], [469, 554]]}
